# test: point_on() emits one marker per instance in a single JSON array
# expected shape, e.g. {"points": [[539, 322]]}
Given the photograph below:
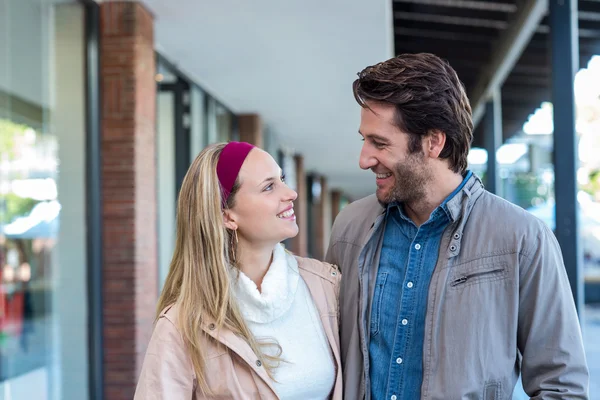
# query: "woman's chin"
{"points": [[291, 233]]}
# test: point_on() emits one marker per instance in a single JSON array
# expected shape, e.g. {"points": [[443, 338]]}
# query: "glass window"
{"points": [[164, 73], [198, 121], [212, 135], [166, 187], [224, 124], [43, 298]]}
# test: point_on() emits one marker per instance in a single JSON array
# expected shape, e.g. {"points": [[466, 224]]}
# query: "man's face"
{"points": [[401, 175]]}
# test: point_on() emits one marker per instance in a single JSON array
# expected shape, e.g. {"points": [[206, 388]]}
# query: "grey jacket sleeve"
{"points": [[330, 254], [549, 335]]}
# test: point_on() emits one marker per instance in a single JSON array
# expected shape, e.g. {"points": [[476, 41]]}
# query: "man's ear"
{"points": [[434, 143], [229, 220]]}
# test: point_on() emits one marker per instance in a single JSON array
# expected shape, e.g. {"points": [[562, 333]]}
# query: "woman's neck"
{"points": [[255, 261]]}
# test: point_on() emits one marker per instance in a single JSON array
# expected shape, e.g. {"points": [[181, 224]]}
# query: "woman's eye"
{"points": [[269, 187], [283, 178]]}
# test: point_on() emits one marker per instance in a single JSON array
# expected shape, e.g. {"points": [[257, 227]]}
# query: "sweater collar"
{"points": [[278, 289]]}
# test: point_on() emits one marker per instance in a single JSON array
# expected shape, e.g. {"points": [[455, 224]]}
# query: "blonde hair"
{"points": [[198, 280]]}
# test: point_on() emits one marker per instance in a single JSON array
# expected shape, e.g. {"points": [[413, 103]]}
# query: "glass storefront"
{"points": [[43, 256], [188, 119]]}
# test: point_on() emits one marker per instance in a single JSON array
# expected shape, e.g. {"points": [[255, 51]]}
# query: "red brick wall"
{"points": [[299, 244], [319, 231], [251, 129], [129, 191]]}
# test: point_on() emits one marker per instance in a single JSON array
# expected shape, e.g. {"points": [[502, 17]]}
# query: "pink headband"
{"points": [[230, 161]]}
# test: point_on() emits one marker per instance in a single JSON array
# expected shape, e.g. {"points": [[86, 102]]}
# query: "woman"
{"points": [[239, 317]]}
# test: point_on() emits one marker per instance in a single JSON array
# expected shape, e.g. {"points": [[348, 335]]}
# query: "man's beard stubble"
{"points": [[410, 179]]}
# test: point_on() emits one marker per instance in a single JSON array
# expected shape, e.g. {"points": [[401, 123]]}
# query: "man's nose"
{"points": [[366, 159]]}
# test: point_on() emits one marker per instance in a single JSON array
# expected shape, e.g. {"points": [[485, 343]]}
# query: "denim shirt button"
{"points": [[393, 397], [457, 236], [452, 248]]}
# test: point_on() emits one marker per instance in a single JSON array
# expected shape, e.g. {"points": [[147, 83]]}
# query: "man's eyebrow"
{"points": [[373, 136]]}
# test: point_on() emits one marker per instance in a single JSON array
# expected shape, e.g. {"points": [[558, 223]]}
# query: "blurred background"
{"points": [[103, 105]]}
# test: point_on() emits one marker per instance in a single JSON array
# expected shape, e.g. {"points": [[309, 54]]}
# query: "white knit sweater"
{"points": [[285, 312]]}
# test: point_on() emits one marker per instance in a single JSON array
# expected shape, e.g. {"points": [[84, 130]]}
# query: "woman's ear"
{"points": [[229, 220]]}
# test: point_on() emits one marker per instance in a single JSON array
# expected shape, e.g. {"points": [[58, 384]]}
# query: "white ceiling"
{"points": [[291, 61]]}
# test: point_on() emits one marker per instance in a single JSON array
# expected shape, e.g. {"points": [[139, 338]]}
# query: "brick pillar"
{"points": [[299, 244], [319, 205], [128, 190], [336, 201], [251, 129]]}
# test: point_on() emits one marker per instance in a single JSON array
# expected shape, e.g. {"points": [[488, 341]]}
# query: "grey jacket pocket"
{"points": [[477, 274]]}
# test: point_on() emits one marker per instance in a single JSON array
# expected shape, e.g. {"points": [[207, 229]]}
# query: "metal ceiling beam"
{"points": [[583, 33], [400, 31], [506, 53], [475, 52], [451, 20], [467, 4], [523, 80], [589, 16]]}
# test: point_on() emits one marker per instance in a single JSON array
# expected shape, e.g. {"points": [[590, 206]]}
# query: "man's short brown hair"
{"points": [[428, 96]]}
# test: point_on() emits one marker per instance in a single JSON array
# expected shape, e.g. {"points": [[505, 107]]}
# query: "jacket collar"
{"points": [[470, 191]]}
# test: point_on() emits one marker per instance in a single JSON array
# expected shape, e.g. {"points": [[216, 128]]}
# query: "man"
{"points": [[448, 292]]}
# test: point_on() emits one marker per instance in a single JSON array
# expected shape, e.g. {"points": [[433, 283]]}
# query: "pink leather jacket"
{"points": [[232, 369]]}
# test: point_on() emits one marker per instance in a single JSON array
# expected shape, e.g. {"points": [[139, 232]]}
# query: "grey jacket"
{"points": [[499, 303]]}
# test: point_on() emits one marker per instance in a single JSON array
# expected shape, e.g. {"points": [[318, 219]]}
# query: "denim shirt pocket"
{"points": [[377, 300], [492, 391]]}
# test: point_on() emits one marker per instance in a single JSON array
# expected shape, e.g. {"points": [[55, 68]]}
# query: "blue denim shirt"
{"points": [[408, 258]]}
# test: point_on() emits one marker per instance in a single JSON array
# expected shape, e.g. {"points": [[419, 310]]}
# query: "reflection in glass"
{"points": [[43, 305]]}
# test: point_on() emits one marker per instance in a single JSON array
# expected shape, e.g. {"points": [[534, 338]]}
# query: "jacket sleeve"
{"points": [[167, 372], [549, 336], [330, 255]]}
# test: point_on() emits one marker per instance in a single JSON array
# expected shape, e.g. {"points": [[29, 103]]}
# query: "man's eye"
{"points": [[378, 144]]}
